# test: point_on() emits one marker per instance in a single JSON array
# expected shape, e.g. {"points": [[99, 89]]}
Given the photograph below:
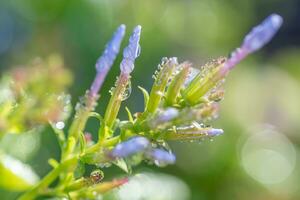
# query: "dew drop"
{"points": [[60, 125], [96, 176], [159, 163], [127, 92], [103, 165], [138, 52], [111, 91]]}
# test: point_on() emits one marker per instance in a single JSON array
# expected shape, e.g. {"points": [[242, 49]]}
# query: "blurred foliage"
{"points": [[264, 89], [29, 100]]}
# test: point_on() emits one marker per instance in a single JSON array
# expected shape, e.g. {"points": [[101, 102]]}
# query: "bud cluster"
{"points": [[180, 106]]}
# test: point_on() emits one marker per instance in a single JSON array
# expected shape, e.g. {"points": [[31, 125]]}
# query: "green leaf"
{"points": [[16, 175], [146, 96], [129, 114], [80, 170], [121, 163], [82, 142], [97, 116]]}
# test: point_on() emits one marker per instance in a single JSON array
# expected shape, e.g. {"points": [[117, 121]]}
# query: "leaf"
{"points": [[16, 175], [97, 116], [82, 142], [129, 114], [80, 170], [123, 165], [146, 96]]}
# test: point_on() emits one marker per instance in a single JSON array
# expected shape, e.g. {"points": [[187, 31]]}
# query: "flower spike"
{"points": [[262, 34], [111, 51], [131, 52], [105, 62], [88, 104], [256, 39]]}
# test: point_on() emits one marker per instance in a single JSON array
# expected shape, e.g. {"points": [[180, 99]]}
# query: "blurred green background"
{"points": [[256, 158]]}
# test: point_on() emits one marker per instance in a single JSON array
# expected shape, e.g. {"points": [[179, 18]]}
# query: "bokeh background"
{"points": [[256, 158]]}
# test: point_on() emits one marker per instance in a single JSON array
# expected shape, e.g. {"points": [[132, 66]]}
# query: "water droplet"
{"points": [[96, 176], [111, 91], [138, 52], [103, 165], [127, 92], [60, 125], [159, 163], [160, 93]]}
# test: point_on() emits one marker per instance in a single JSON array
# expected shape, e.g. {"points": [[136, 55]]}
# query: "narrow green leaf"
{"points": [[146, 96], [129, 114]]}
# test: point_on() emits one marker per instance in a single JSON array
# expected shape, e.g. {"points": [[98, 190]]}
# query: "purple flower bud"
{"points": [[256, 39], [161, 157], [214, 132], [262, 34], [163, 119], [106, 60], [130, 147], [131, 52], [192, 133], [167, 115], [111, 51]]}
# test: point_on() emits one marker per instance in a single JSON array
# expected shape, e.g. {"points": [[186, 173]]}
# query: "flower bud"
{"points": [[192, 133], [111, 51], [130, 147], [256, 39], [131, 52], [163, 118], [105, 62], [161, 157], [262, 34]]}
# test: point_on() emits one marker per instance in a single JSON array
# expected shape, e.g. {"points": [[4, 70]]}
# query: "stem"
{"points": [[114, 105], [176, 85], [79, 122], [159, 86], [48, 179], [107, 143]]}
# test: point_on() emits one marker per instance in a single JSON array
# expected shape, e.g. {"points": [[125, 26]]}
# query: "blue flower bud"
{"points": [[164, 118], [161, 157], [214, 132], [131, 52], [191, 133], [107, 59], [167, 115], [262, 34], [256, 39], [111, 51], [130, 147]]}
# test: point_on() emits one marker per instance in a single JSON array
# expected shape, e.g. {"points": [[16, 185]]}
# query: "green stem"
{"points": [[176, 85], [159, 86], [48, 179], [113, 107], [107, 143], [78, 124]]}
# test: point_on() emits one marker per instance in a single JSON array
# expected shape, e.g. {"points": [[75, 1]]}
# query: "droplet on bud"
{"points": [[60, 125], [131, 52], [161, 157], [96, 176]]}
